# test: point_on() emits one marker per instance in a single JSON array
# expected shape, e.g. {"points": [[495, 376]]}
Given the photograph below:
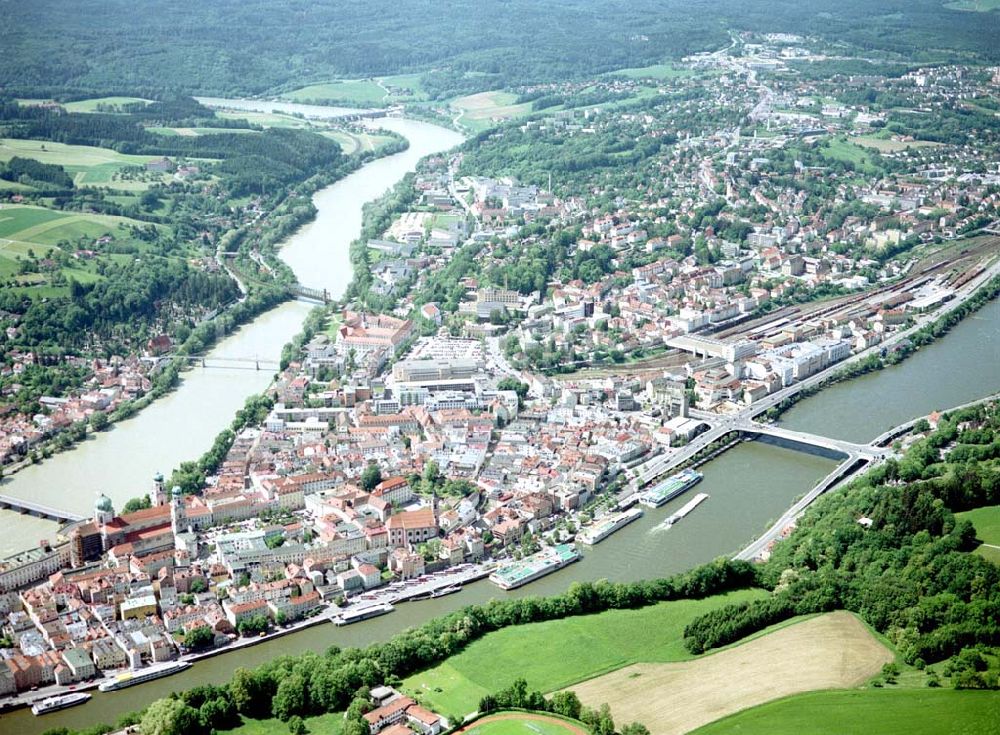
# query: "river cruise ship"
{"points": [[356, 616], [131, 678], [606, 526], [61, 701], [518, 573], [670, 488]]}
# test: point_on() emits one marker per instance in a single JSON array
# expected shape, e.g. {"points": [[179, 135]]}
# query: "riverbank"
{"points": [[922, 337]]}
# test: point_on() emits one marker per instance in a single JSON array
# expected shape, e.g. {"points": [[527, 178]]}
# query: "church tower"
{"points": [[178, 519], [158, 493]]}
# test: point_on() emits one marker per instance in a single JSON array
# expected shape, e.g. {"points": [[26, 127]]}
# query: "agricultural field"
{"points": [[887, 712], [264, 119], [194, 132], [482, 110], [92, 104], [363, 92], [26, 225], [353, 142], [88, 165], [522, 723], [27, 231], [987, 524], [355, 91], [832, 651], [601, 643]]}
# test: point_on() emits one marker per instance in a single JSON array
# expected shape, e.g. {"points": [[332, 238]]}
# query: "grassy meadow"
{"points": [[537, 651]]}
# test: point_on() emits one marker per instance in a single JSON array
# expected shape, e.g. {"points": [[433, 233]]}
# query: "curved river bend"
{"points": [[182, 425]]}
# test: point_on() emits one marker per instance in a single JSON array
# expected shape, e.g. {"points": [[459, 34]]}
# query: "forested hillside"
{"points": [[250, 46]]}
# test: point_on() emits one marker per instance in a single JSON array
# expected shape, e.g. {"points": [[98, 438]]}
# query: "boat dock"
{"points": [[688, 507]]}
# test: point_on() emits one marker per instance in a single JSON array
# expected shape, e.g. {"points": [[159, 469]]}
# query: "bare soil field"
{"points": [[833, 651]]}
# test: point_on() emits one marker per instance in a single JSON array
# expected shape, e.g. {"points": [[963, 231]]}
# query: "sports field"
{"points": [[538, 651], [833, 651], [886, 712], [987, 524], [522, 723]]}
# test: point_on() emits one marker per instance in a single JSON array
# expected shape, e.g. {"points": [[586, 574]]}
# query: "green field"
{"points": [[329, 724], [356, 91], [25, 230], [987, 524], [27, 226], [844, 150], [264, 119], [91, 105], [902, 712], [88, 165], [351, 142], [657, 71], [599, 643], [483, 110], [363, 92]]}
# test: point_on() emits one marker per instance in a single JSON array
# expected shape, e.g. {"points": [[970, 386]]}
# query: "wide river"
{"points": [[749, 486]]}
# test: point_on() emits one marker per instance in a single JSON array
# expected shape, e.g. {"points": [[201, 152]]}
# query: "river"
{"points": [[121, 462]]}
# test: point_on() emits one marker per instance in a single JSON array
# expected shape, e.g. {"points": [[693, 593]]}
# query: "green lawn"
{"points": [[987, 524], [844, 150], [91, 105], [329, 724], [903, 712], [537, 652]]}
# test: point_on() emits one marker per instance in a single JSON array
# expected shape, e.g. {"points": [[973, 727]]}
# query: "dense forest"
{"points": [[160, 45]]}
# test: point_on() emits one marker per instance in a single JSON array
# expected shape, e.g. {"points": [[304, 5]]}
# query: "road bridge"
{"points": [[837, 446], [9, 502]]}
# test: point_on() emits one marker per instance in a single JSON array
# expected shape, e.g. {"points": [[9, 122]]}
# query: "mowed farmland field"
{"points": [[556, 653], [900, 712], [832, 651]]}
